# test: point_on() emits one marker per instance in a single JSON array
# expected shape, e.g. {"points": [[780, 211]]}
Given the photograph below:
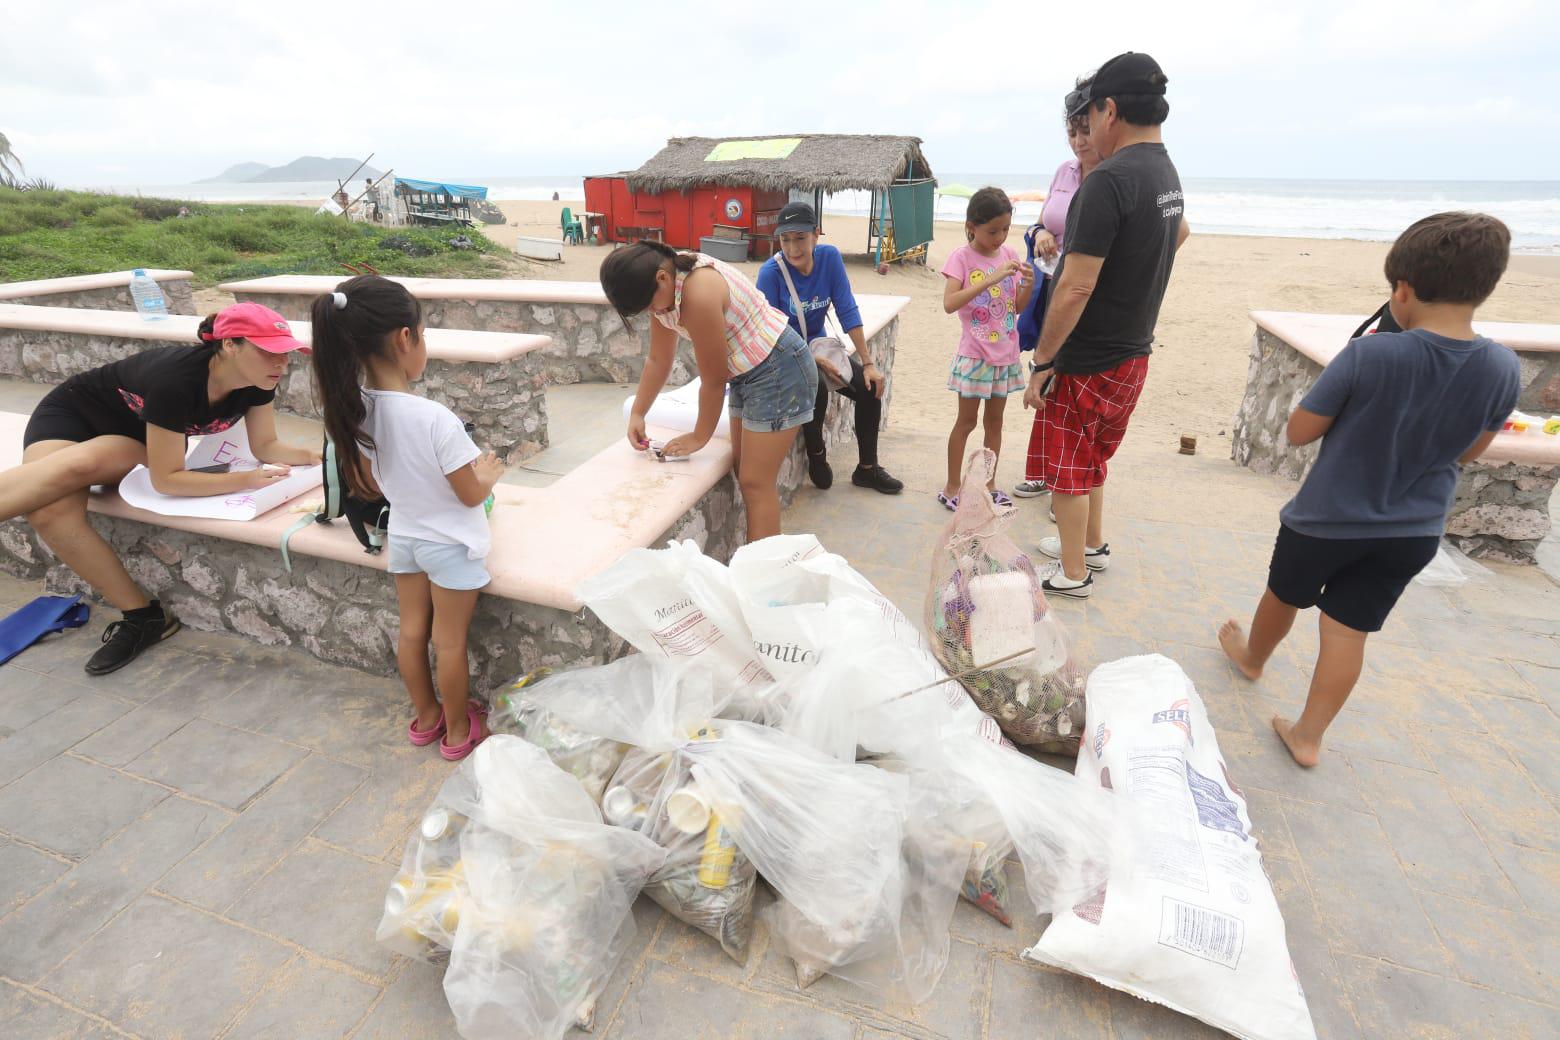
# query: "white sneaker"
{"points": [[1094, 559], [1030, 489], [1060, 584]]}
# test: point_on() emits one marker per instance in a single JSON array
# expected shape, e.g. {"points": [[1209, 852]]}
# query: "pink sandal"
{"points": [[460, 751], [422, 738]]}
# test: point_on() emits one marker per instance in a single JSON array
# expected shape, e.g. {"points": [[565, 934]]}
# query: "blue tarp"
{"points": [[459, 191]]}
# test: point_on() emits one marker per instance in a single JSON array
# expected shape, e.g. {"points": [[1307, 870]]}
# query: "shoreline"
{"points": [[1545, 259]]}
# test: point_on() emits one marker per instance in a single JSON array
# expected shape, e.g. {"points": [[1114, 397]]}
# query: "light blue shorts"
{"points": [[778, 394], [445, 563]]}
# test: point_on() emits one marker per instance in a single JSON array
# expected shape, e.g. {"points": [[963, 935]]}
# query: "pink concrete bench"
{"points": [[492, 379], [1501, 510], [337, 603], [108, 291]]}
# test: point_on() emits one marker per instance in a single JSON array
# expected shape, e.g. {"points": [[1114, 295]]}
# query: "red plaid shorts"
{"points": [[1080, 426]]}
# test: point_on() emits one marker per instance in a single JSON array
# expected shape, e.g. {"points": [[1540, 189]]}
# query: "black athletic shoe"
{"points": [[878, 479], [820, 471], [124, 639]]}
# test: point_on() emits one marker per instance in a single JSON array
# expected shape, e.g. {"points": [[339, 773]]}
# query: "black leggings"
{"points": [[869, 415]]}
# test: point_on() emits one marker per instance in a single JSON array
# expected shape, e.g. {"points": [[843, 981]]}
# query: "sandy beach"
{"points": [[1196, 378]]}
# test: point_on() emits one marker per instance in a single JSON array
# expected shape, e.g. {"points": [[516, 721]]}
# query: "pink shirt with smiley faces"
{"points": [[990, 320]]}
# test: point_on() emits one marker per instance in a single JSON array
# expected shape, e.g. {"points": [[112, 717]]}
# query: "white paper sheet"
{"points": [[679, 410], [231, 446]]}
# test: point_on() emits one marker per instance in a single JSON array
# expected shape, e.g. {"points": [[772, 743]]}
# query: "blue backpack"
{"points": [[1033, 318]]}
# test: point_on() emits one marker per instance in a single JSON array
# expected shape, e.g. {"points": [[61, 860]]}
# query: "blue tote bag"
{"points": [[43, 616], [1033, 318]]}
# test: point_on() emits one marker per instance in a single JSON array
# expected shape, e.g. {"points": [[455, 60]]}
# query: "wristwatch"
{"points": [[1035, 369]]}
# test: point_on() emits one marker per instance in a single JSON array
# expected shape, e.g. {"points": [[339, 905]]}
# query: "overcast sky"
{"points": [[167, 91]]}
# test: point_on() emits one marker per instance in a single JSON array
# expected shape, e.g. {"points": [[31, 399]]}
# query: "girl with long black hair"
{"points": [[368, 350], [738, 340]]}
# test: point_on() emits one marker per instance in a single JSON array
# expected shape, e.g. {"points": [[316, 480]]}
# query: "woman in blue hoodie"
{"points": [[818, 272]]}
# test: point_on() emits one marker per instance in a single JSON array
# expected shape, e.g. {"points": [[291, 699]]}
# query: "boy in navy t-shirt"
{"points": [[1398, 413]]}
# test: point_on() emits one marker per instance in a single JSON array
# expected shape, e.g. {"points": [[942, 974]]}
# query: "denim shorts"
{"points": [[779, 393], [445, 563]]}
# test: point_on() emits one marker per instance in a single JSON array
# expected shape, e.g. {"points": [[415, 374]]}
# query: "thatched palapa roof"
{"points": [[827, 162]]}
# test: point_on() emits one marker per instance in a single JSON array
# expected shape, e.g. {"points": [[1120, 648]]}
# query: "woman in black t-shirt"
{"points": [[97, 426]]}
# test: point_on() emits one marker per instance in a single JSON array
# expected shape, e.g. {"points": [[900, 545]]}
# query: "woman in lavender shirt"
{"points": [[1048, 244]]}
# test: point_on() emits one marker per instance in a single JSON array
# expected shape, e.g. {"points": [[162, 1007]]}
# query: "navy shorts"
{"points": [[777, 394], [1355, 581]]}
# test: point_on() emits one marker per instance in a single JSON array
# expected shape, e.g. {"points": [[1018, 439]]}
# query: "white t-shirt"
{"points": [[416, 443]]}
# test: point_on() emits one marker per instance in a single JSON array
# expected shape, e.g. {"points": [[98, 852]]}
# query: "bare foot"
{"points": [[1305, 754], [1233, 638], [428, 721]]}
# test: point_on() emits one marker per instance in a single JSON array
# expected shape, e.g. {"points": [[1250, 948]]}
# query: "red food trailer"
{"points": [[739, 212], [724, 195]]}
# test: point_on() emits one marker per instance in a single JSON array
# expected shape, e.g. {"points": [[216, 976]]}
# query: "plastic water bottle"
{"points": [[148, 296]]}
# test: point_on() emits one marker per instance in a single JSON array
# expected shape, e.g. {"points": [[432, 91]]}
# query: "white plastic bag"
{"points": [[870, 694], [782, 584], [677, 604], [1196, 928], [515, 882]]}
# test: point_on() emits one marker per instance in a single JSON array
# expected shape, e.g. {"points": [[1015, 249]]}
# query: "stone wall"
{"points": [[342, 612], [1276, 379], [589, 342], [507, 401], [181, 300], [1500, 511]]}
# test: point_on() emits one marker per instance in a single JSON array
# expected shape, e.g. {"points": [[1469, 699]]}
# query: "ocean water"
{"points": [[1357, 209]]}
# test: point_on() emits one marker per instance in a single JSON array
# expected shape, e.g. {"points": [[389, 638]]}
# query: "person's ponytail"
{"points": [[352, 325], [208, 333]]}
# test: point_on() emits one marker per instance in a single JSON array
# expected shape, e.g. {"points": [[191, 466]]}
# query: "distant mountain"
{"points": [[308, 168], [242, 172]]}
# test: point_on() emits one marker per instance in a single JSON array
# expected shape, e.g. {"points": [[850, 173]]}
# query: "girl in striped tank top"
{"points": [[747, 354]]}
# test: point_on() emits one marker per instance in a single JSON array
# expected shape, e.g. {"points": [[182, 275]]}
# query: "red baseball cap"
{"points": [[258, 324]]}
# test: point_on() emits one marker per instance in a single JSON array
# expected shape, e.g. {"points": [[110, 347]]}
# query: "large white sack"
{"points": [[1195, 927], [784, 582], [677, 605]]}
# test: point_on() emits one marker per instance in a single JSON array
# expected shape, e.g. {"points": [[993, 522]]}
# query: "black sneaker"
{"points": [[878, 479], [820, 471], [124, 639]]}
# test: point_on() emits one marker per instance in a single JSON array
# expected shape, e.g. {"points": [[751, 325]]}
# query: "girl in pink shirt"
{"points": [[988, 285]]}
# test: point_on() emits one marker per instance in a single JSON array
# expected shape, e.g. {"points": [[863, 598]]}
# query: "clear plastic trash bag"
{"points": [[513, 881], [867, 874]]}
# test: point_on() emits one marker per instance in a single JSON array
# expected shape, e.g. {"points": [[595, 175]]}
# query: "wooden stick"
{"points": [[967, 673]]}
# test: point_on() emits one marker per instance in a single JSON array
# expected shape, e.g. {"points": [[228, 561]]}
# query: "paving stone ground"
{"points": [[197, 846]]}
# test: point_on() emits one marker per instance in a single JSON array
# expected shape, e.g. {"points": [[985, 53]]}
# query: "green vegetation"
{"points": [[50, 234]]}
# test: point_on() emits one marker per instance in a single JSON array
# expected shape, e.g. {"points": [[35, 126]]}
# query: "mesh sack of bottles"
{"points": [[991, 627], [514, 883]]}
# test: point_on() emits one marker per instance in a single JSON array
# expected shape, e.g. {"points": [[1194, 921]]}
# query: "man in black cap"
{"points": [[817, 273], [1123, 230]]}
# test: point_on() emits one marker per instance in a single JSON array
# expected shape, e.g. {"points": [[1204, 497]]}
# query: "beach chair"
{"points": [[573, 230]]}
